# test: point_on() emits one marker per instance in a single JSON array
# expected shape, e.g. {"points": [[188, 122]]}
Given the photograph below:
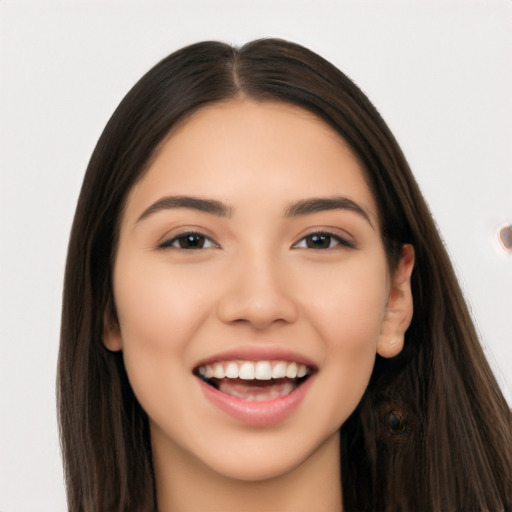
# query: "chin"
{"points": [[258, 461], [258, 468]]}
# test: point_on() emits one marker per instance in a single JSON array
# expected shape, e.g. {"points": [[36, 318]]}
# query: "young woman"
{"points": [[238, 329]]}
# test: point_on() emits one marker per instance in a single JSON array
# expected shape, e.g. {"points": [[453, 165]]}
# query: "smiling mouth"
{"points": [[254, 380]]}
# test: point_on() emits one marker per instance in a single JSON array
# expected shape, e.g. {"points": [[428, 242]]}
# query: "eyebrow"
{"points": [[214, 207], [321, 204], [195, 203]]}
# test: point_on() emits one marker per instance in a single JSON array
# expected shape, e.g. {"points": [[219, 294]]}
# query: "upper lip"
{"points": [[251, 353]]}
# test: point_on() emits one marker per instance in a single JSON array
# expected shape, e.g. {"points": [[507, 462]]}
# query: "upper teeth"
{"points": [[248, 370]]}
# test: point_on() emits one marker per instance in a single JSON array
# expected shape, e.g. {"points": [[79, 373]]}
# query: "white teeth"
{"points": [[291, 371], [279, 370], [262, 370], [218, 371], [208, 372], [247, 370], [302, 371], [232, 371]]}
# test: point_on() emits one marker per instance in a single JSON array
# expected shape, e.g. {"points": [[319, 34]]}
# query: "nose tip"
{"points": [[261, 314], [258, 299]]}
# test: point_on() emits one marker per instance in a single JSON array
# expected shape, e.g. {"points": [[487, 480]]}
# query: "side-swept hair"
{"points": [[431, 433]]}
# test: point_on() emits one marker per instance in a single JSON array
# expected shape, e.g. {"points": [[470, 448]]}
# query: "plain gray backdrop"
{"points": [[440, 72]]}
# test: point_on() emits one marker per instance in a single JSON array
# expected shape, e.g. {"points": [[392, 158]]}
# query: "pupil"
{"points": [[192, 242], [318, 241]]}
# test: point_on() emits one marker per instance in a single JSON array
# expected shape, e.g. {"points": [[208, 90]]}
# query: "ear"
{"points": [[399, 307], [111, 330]]}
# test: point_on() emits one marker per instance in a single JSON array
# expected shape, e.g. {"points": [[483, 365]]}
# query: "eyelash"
{"points": [[201, 239], [326, 235], [183, 237]]}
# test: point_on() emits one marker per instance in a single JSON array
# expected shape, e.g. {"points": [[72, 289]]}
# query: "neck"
{"points": [[186, 484]]}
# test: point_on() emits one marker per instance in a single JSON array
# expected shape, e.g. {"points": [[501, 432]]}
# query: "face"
{"points": [[252, 289]]}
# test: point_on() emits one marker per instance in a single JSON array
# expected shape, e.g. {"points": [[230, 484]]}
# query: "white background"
{"points": [[440, 72]]}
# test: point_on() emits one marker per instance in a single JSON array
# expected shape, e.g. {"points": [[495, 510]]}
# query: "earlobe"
{"points": [[399, 307], [112, 339], [111, 331]]}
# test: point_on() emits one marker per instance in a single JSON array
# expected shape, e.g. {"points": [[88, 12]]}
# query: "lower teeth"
{"points": [[257, 392]]}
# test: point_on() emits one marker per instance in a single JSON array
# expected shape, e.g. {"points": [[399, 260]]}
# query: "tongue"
{"points": [[256, 390]]}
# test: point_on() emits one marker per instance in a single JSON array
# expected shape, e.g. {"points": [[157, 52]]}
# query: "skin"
{"points": [[257, 283]]}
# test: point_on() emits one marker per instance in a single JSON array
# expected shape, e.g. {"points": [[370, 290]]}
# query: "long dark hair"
{"points": [[432, 432]]}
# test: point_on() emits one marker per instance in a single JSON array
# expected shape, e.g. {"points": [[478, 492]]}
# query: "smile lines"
{"points": [[249, 370]]}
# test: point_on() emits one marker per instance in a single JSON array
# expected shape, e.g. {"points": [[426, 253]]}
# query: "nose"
{"points": [[258, 293]]}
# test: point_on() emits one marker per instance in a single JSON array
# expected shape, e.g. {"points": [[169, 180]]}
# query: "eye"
{"points": [[322, 240], [189, 241]]}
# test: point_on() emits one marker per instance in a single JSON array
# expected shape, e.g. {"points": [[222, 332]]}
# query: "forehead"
{"points": [[242, 149]]}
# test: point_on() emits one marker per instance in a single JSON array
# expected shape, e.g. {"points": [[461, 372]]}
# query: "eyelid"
{"points": [[168, 240], [343, 241]]}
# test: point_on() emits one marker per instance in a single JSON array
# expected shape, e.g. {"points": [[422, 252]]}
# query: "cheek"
{"points": [[158, 316], [348, 317], [348, 309], [350, 325], [155, 309]]}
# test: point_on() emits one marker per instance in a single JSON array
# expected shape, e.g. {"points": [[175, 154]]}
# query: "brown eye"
{"points": [[322, 241], [189, 241], [318, 241]]}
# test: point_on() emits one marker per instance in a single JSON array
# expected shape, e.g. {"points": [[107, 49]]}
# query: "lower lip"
{"points": [[254, 413]]}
